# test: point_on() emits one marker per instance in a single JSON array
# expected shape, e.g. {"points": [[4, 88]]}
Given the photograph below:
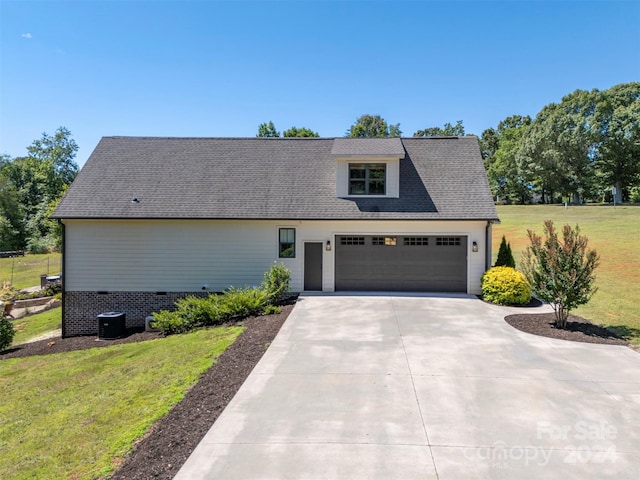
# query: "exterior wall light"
{"points": [[328, 247], [474, 247]]}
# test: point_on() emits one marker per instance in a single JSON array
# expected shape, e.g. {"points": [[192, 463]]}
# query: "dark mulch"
{"points": [[578, 329], [165, 448]]}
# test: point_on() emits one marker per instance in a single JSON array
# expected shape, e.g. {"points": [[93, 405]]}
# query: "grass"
{"points": [[23, 272], [74, 415], [614, 233], [35, 325]]}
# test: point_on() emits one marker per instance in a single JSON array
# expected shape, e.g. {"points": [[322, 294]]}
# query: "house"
{"points": [[149, 220]]}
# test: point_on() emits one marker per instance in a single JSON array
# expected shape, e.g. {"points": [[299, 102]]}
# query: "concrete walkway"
{"points": [[420, 387]]}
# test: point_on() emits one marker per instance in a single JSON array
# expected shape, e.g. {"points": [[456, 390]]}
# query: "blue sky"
{"points": [[216, 68]]}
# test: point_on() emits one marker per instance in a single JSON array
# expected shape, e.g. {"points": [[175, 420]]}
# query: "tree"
{"points": [[373, 126], [300, 132], [448, 130], [617, 126], [489, 143], [267, 130], [558, 149], [505, 256], [560, 272], [56, 154], [11, 226], [506, 177], [40, 180]]}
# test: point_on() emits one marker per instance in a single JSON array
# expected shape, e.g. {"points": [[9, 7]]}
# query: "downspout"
{"points": [[64, 277], [487, 243]]}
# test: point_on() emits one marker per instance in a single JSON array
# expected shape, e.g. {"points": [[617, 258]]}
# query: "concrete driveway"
{"points": [[422, 387]]}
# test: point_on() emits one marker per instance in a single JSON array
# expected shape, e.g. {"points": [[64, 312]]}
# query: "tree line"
{"points": [[30, 189], [584, 148]]}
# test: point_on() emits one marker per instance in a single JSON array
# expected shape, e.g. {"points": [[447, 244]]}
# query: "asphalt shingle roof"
{"points": [[273, 178], [371, 147]]}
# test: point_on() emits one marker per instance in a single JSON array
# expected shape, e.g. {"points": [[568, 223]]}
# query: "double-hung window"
{"points": [[287, 243], [367, 178]]}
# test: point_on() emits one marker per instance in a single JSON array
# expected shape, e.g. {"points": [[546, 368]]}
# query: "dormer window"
{"points": [[367, 178], [367, 167]]}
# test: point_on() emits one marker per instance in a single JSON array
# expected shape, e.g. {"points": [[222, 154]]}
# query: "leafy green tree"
{"points": [[267, 130], [561, 272], [506, 178], [617, 126], [40, 180], [489, 142], [448, 130], [373, 126], [558, 149], [505, 255], [300, 132], [11, 226]]}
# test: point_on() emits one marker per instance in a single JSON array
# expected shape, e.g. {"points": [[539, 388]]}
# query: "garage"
{"points": [[412, 263]]}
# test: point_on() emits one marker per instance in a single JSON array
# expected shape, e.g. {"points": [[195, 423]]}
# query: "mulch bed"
{"points": [[170, 441], [578, 329]]}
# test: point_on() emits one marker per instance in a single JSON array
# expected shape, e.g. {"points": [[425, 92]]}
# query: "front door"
{"points": [[313, 266]]}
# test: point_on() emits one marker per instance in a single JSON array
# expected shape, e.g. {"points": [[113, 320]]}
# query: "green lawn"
{"points": [[23, 272], [35, 325], [73, 415], [614, 233]]}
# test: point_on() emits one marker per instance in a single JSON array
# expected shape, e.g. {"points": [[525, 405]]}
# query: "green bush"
{"points": [[194, 312], [201, 312], [7, 333], [243, 302], [277, 283], [171, 322], [505, 256], [505, 286], [272, 310]]}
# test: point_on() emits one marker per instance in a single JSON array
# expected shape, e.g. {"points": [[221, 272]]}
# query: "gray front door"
{"points": [[427, 263], [313, 266]]}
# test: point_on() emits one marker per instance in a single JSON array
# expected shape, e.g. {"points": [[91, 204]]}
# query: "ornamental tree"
{"points": [[560, 271], [505, 256]]}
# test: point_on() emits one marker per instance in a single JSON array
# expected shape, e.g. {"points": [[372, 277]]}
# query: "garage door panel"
{"points": [[426, 263]]}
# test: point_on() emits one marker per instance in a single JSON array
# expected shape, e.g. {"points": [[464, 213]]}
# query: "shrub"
{"points": [[505, 286], [272, 310], [200, 312], [277, 283], [170, 322], [560, 272], [7, 333], [243, 302], [7, 292], [195, 312], [505, 256]]}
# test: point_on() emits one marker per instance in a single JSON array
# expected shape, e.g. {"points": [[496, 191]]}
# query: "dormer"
{"points": [[367, 167]]}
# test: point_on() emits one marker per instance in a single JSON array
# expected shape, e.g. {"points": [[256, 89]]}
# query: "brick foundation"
{"points": [[81, 309]]}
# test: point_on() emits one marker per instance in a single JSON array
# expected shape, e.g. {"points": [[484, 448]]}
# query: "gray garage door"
{"points": [[401, 263]]}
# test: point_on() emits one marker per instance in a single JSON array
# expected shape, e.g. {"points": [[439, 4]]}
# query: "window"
{"points": [[388, 241], [287, 243], [448, 241], [351, 240], [367, 178], [416, 240]]}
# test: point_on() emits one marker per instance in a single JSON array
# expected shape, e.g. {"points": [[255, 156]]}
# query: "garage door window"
{"points": [[352, 241], [387, 241], [418, 241], [448, 241], [367, 178], [287, 244]]}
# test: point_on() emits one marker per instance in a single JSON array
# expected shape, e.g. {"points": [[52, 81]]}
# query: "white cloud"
{"points": [[26, 35]]}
